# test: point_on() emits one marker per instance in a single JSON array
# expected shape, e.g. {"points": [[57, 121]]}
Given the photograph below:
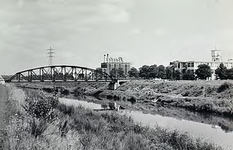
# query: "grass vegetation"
{"points": [[200, 96], [40, 122]]}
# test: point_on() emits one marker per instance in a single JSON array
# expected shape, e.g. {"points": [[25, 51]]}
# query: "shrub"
{"points": [[86, 122], [109, 97], [41, 108], [87, 140], [79, 91], [110, 141], [119, 123], [48, 90], [116, 98], [67, 110], [208, 107], [185, 93], [136, 142], [65, 92], [37, 127], [223, 87], [132, 99]]}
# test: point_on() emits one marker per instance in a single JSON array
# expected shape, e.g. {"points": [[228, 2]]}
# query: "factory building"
{"points": [[114, 63], [216, 60]]}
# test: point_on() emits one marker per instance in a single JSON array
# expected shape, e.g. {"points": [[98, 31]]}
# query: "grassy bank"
{"points": [[200, 96], [40, 122]]}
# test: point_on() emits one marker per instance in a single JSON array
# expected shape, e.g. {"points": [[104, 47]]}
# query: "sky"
{"points": [[143, 32]]}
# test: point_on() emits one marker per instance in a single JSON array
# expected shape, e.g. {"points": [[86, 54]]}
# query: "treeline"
{"points": [[223, 73], [202, 72], [161, 72]]}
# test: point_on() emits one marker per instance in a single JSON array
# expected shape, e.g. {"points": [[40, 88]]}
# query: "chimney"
{"points": [[107, 57]]}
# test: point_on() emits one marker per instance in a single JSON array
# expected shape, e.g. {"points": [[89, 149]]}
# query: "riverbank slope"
{"points": [[38, 121]]}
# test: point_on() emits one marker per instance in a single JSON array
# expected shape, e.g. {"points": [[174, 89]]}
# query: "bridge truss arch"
{"points": [[59, 73]]}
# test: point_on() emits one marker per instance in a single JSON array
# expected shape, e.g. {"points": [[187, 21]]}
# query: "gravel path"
{"points": [[3, 109]]}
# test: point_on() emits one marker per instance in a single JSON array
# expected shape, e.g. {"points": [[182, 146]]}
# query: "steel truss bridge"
{"points": [[62, 73]]}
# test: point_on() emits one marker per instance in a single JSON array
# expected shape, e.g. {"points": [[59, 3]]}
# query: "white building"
{"points": [[114, 63], [193, 65], [2, 81]]}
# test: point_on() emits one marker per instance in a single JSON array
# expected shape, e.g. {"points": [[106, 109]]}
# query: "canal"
{"points": [[209, 133]]}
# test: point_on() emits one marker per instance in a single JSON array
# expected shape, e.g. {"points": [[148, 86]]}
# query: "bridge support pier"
{"points": [[114, 84]]}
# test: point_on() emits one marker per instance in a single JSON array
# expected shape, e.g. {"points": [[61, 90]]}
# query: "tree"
{"points": [[229, 73], [153, 71], [144, 71], [99, 73], [133, 72], [169, 72], [99, 70], [117, 73], [120, 73], [176, 75], [203, 71], [188, 75], [161, 72], [221, 72], [113, 73]]}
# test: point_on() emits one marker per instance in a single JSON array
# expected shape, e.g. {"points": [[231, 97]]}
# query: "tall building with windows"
{"points": [[114, 63], [193, 65]]}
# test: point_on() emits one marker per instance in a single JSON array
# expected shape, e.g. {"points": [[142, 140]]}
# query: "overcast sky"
{"points": [[143, 32]]}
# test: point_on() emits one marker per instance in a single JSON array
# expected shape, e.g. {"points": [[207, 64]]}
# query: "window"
{"points": [[110, 67], [192, 64], [126, 69]]}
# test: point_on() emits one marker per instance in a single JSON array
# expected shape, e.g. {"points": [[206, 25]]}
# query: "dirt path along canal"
{"points": [[3, 109]]}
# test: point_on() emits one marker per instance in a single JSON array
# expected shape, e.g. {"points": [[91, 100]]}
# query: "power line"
{"points": [[50, 55]]}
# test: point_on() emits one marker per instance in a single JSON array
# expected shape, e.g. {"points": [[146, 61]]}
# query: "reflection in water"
{"points": [[78, 102], [195, 129]]}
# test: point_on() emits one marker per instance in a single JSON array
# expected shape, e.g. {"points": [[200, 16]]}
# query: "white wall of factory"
{"points": [[114, 63]]}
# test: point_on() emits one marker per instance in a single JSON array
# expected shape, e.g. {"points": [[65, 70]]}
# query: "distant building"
{"points": [[2, 81], [114, 63], [193, 65]]}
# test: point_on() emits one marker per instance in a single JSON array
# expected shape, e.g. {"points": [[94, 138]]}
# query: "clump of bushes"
{"points": [[132, 99], [65, 92], [48, 90], [41, 112], [79, 91], [110, 97], [41, 108], [224, 87]]}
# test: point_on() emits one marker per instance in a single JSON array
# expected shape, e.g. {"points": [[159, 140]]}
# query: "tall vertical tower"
{"points": [[50, 53], [216, 55]]}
